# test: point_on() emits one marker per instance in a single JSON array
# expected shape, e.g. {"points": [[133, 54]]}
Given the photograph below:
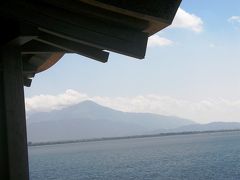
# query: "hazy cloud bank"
{"points": [[203, 111]]}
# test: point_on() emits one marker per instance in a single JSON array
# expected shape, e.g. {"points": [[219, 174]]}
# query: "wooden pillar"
{"points": [[13, 138]]}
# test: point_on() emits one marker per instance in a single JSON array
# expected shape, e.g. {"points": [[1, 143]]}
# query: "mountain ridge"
{"points": [[89, 120]]}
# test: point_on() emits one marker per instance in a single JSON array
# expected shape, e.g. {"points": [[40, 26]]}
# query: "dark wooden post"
{"points": [[13, 138]]}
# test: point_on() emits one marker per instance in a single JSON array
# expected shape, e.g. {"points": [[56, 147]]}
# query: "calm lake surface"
{"points": [[198, 156]]}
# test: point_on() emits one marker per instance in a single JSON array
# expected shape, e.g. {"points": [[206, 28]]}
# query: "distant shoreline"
{"points": [[128, 137]]}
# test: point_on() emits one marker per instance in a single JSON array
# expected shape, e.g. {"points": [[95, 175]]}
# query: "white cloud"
{"points": [[183, 20], [212, 45], [51, 102], [234, 19], [186, 20], [156, 40], [202, 111]]}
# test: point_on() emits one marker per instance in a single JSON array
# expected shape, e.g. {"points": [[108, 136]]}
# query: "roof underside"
{"points": [[46, 29]]}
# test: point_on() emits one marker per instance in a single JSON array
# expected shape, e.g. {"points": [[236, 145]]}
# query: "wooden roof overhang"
{"points": [[47, 29], [35, 34]]}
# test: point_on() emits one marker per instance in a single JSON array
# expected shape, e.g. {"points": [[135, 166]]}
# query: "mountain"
{"points": [[209, 127], [91, 120]]}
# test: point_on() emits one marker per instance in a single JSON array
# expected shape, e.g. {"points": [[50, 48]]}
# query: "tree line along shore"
{"points": [[127, 137]]}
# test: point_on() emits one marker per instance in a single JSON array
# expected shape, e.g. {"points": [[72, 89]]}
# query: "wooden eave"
{"points": [[47, 29]]}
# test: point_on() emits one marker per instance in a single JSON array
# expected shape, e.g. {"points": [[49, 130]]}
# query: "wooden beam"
{"points": [[164, 9], [104, 36], [28, 67], [158, 13], [34, 61], [136, 49], [27, 82], [89, 22], [16, 33], [49, 62], [36, 47], [33, 64], [4, 161], [155, 24], [73, 47], [80, 8], [14, 152]]}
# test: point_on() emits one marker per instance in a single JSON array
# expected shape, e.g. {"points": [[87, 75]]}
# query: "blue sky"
{"points": [[191, 70]]}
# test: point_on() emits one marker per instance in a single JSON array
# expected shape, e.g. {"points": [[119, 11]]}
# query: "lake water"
{"points": [[200, 156]]}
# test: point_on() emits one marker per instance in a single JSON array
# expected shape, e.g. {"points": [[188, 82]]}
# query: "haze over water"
{"points": [[202, 156]]}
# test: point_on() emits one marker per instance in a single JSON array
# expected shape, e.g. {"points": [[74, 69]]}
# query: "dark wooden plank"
{"points": [[4, 164], [158, 13], [50, 61], [89, 22], [28, 67], [74, 47], [36, 47], [136, 49], [132, 43], [165, 9], [80, 8], [14, 113], [27, 82], [13, 32]]}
